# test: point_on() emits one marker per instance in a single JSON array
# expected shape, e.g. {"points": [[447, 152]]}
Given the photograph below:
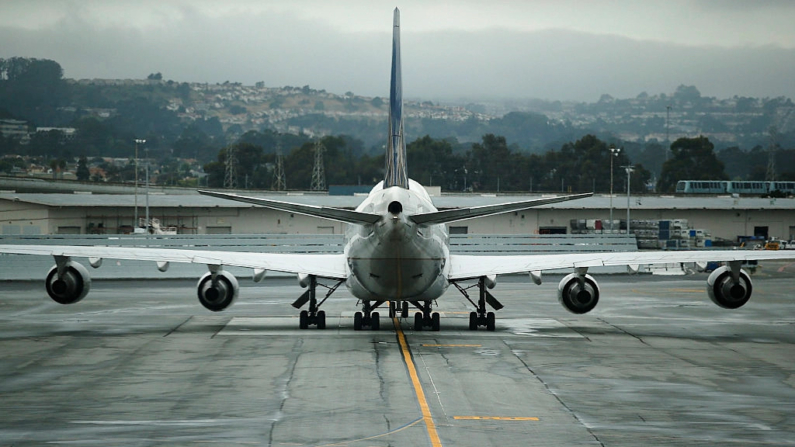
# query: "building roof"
{"points": [[445, 201]]}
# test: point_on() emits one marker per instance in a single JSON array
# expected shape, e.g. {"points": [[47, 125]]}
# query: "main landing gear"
{"points": [[367, 318], [314, 316], [426, 318], [480, 317]]}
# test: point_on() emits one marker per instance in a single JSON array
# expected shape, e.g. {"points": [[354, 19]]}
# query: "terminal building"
{"points": [[722, 217]]}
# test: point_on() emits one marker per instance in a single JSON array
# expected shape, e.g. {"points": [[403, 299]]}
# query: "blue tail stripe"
{"points": [[396, 173]]}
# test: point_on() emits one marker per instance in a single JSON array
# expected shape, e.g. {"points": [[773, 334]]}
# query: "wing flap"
{"points": [[323, 265], [473, 266]]}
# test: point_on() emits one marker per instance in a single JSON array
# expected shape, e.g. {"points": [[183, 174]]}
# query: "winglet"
{"points": [[396, 172]]}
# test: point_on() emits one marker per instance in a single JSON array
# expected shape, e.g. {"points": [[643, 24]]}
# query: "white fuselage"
{"points": [[395, 259]]}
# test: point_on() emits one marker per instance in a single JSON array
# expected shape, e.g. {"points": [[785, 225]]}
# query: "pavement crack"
{"points": [[624, 331], [562, 403], [283, 385]]}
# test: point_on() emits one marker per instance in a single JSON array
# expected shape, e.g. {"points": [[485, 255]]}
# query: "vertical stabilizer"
{"points": [[396, 174]]}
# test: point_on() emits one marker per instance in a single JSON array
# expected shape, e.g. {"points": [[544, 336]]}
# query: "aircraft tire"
{"points": [[435, 322], [303, 319], [375, 321], [473, 321], [418, 321], [321, 319], [357, 321], [490, 321]]}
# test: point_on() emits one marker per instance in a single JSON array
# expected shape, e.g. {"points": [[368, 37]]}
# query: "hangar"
{"points": [[725, 217]]}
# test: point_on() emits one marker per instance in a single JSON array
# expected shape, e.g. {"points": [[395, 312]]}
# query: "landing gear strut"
{"points": [[367, 318], [426, 318], [398, 307], [314, 316], [481, 317]]}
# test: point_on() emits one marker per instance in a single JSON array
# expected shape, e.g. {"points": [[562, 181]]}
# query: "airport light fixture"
{"points": [[137, 142], [629, 170], [146, 152], [614, 151]]}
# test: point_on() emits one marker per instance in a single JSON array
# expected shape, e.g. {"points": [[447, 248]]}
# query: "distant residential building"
{"points": [[15, 129]]}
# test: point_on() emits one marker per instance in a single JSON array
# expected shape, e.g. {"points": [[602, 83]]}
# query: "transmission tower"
{"points": [[319, 172], [230, 173], [279, 179], [770, 175]]}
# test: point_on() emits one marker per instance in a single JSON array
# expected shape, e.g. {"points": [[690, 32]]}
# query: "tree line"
{"points": [[488, 166]]}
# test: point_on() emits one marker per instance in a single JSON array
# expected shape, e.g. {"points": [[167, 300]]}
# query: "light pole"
{"points": [[613, 153], [146, 151], [137, 142], [629, 170]]}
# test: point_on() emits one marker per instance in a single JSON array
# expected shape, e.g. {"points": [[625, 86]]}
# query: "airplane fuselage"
{"points": [[395, 259]]}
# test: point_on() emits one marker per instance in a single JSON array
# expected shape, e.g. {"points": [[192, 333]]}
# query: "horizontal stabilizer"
{"points": [[338, 214], [446, 216]]}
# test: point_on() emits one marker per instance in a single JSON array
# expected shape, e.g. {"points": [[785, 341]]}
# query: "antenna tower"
{"points": [[319, 172], [279, 179], [770, 175], [230, 171]]}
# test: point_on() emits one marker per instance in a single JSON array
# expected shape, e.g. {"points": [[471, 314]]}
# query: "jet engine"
{"points": [[727, 293], [578, 294], [216, 294], [71, 286]]}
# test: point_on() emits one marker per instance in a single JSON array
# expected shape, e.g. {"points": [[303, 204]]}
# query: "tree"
{"points": [[693, 159], [83, 174]]}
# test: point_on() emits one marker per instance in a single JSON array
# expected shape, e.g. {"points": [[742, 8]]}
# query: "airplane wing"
{"points": [[326, 212], [322, 265], [474, 266], [447, 216]]}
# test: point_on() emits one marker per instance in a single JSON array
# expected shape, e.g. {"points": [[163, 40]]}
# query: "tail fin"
{"points": [[396, 174]]}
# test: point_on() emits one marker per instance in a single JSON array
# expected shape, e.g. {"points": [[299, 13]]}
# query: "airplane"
{"points": [[396, 253]]}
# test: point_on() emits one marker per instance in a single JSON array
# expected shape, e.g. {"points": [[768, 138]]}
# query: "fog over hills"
{"points": [[280, 49]]}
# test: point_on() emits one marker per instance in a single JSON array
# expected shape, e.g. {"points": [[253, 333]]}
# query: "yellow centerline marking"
{"points": [[450, 346], [494, 418], [415, 380]]}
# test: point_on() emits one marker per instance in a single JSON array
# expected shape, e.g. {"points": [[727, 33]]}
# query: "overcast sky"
{"points": [[550, 49]]}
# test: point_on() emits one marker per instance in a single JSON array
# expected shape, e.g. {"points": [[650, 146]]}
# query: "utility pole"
{"points": [[137, 142], [613, 153], [279, 179], [318, 172], [230, 171]]}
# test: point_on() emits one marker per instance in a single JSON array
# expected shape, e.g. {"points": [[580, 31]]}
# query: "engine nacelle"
{"points": [[70, 287], [579, 295], [724, 292], [219, 294]]}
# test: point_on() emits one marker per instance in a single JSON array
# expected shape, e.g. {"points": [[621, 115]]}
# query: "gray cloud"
{"points": [[284, 48]]}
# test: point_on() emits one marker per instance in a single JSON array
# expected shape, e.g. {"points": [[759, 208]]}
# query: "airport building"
{"points": [[723, 217]]}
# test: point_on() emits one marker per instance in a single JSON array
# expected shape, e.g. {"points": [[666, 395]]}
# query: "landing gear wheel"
{"points": [[303, 319], [375, 322], [392, 310], [321, 319], [357, 321], [473, 321], [435, 323], [490, 321], [405, 310], [418, 321]]}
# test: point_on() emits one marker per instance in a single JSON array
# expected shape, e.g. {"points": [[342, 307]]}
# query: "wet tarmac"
{"points": [[143, 364]]}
